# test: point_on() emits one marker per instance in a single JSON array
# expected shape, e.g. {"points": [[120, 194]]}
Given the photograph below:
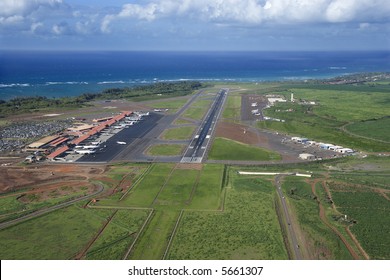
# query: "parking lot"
{"points": [[17, 135]]}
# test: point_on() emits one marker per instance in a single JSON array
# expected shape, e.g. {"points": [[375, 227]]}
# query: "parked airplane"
{"points": [[84, 152], [121, 142], [91, 146]]}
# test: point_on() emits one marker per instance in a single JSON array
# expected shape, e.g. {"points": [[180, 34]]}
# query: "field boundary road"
{"points": [[50, 209]]}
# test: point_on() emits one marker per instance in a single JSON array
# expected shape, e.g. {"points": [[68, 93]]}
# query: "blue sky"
{"points": [[221, 25]]}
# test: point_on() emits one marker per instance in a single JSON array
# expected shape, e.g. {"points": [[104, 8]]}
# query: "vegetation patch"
{"points": [[376, 129], [154, 240], [321, 242], [146, 191], [172, 105], [166, 150], [232, 108], [334, 107], [117, 237], [197, 110], [153, 91], [247, 229], [369, 214], [59, 235], [177, 191], [208, 193], [225, 149], [179, 133]]}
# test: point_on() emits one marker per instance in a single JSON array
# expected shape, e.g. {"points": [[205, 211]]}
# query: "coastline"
{"points": [[60, 74]]}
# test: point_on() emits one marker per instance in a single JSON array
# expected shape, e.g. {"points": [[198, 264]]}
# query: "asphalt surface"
{"points": [[290, 230], [199, 144], [135, 151], [111, 149]]}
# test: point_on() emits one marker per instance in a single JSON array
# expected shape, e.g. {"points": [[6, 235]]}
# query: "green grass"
{"points": [[154, 239], [195, 113], [197, 110], [12, 207], [166, 150], [322, 243], [58, 235], [10, 204], [208, 192], [144, 193], [177, 191], [376, 129], [341, 103], [225, 149], [182, 121], [336, 106], [179, 133], [371, 211], [117, 237], [232, 107], [247, 229], [173, 105]]}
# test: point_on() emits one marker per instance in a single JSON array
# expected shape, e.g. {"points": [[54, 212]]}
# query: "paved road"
{"points": [[290, 230], [50, 209], [198, 146]]}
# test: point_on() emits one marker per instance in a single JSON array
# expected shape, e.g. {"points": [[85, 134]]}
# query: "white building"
{"points": [[306, 156]]}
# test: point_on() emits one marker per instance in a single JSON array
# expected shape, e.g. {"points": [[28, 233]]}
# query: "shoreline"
{"points": [[103, 86]]}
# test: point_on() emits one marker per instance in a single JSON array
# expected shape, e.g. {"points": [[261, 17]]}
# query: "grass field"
{"points": [[182, 121], [225, 149], [144, 193], [179, 133], [232, 108], [58, 235], [116, 238], [320, 241], [369, 212], [166, 150], [154, 239], [335, 107], [177, 191], [173, 104], [247, 229], [20, 204], [208, 193], [376, 129], [197, 110]]}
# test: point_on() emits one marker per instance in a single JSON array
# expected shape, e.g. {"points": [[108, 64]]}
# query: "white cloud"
{"points": [[24, 7], [11, 20], [61, 29], [256, 11]]}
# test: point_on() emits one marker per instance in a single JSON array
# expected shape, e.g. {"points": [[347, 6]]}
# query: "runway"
{"points": [[199, 144]]}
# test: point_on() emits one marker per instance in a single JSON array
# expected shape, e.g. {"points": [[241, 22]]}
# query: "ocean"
{"points": [[58, 74]]}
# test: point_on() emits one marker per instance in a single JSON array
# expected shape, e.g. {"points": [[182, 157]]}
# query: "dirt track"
{"points": [[326, 222]]}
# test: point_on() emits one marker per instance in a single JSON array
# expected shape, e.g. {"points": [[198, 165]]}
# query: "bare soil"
{"points": [[240, 133], [40, 177]]}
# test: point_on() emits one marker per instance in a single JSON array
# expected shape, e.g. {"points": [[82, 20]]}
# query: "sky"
{"points": [[195, 25]]}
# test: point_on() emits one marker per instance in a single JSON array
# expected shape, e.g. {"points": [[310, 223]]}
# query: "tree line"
{"points": [[31, 104]]}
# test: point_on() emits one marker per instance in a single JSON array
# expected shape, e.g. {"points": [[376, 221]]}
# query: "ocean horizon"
{"points": [[72, 73]]}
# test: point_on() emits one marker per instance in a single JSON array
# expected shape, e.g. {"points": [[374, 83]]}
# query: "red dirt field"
{"points": [[239, 133], [42, 176]]}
